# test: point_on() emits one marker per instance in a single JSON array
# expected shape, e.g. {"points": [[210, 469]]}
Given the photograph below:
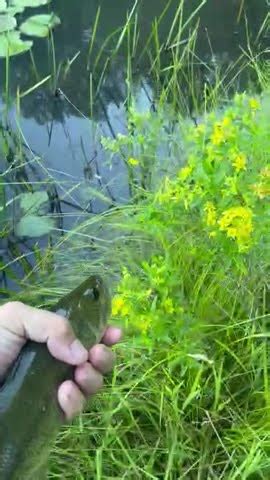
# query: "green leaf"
{"points": [[12, 44], [14, 10], [31, 202], [7, 22], [3, 5], [39, 25], [87, 193], [28, 3], [3, 216], [34, 226]]}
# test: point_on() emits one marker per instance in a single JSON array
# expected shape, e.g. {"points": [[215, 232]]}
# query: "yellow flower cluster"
{"points": [[185, 172], [239, 162], [231, 187], [133, 162], [218, 135], [262, 188], [226, 122], [222, 131], [171, 191], [237, 223], [254, 104], [168, 306], [143, 323], [119, 306], [211, 214]]}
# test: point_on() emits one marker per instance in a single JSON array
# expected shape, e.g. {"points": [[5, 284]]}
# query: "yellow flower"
{"points": [[261, 190], [185, 172], [226, 122], [231, 187], [133, 161], [254, 104], [240, 162], [265, 172], [164, 195], [143, 323], [211, 214], [168, 305], [119, 306], [237, 223], [218, 135]]}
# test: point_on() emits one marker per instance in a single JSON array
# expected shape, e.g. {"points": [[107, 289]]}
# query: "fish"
{"points": [[30, 416]]}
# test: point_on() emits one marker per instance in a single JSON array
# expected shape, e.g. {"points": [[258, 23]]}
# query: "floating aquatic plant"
{"points": [[11, 40]]}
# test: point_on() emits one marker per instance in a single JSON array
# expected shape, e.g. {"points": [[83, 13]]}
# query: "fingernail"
{"points": [[78, 351]]}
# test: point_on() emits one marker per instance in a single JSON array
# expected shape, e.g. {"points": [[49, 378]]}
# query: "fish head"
{"points": [[87, 308]]}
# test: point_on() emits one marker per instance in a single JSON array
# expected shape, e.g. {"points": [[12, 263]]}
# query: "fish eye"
{"points": [[92, 293], [96, 293]]}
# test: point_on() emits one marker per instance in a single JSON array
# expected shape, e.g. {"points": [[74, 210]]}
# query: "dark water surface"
{"points": [[60, 130]]}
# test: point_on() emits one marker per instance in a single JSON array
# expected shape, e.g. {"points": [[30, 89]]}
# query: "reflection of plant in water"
{"points": [[11, 42], [26, 212], [45, 107], [147, 148]]}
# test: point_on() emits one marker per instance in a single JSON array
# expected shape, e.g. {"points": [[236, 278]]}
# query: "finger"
{"points": [[112, 336], [102, 358], [88, 379], [43, 326], [70, 399]]}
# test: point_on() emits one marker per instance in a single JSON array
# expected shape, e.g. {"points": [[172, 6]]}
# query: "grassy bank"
{"points": [[188, 263], [190, 395]]}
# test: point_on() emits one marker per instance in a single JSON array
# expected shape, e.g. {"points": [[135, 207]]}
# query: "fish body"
{"points": [[30, 416]]}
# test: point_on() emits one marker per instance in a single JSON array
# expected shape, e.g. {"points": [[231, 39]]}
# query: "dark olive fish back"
{"points": [[30, 417]]}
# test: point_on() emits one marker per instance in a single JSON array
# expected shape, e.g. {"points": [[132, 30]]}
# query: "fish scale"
{"points": [[30, 416]]}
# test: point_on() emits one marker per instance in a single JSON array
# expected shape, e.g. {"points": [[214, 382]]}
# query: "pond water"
{"points": [[59, 129]]}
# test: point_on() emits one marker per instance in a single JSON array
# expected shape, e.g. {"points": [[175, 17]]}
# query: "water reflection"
{"points": [[221, 35], [62, 133]]}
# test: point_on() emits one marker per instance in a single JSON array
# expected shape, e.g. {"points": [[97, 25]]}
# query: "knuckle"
{"points": [[99, 380], [11, 308], [63, 327], [89, 379], [84, 376]]}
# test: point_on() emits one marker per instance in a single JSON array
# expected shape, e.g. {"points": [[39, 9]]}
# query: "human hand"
{"points": [[20, 322]]}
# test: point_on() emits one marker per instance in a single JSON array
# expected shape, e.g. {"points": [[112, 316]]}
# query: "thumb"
{"points": [[19, 322]]}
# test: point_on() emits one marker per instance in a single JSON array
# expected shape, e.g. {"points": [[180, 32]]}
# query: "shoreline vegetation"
{"points": [[190, 396], [188, 262]]}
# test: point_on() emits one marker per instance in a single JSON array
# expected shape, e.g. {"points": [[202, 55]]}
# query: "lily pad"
{"points": [[39, 25], [12, 44], [3, 5], [14, 10], [28, 3], [34, 226], [31, 202], [7, 22]]}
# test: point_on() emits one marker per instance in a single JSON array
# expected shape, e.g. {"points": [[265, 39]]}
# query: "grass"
{"points": [[190, 395], [159, 425], [189, 398]]}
